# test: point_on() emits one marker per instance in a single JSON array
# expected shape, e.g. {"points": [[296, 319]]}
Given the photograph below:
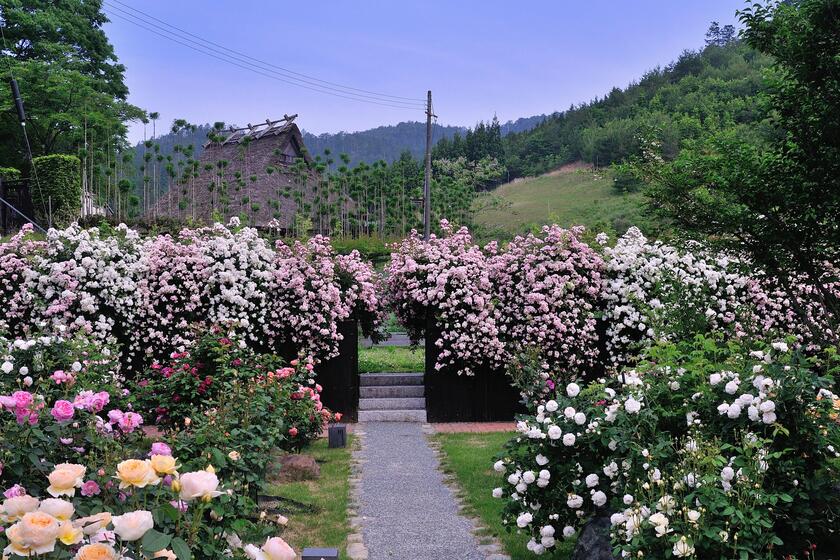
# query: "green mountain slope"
{"points": [[574, 195]]}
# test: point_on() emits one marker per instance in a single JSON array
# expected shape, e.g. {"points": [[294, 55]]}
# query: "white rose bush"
{"points": [[706, 449]]}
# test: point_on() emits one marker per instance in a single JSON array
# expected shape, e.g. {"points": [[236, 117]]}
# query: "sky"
{"points": [[479, 57]]}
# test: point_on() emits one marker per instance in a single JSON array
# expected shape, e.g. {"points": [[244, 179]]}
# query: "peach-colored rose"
{"points": [[166, 554], [274, 548], [135, 472], [92, 524], [65, 478], [60, 509], [14, 508], [164, 464], [199, 484], [69, 534], [35, 533], [98, 551]]}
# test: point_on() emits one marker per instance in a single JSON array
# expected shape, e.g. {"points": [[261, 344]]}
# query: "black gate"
{"points": [[484, 397], [16, 193]]}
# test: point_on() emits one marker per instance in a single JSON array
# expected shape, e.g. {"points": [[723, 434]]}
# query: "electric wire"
{"points": [[280, 68], [244, 64]]}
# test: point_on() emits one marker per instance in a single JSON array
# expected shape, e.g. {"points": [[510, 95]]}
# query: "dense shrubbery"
{"points": [[144, 293], [706, 449]]}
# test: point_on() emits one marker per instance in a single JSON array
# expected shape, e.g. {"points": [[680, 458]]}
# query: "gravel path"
{"points": [[407, 512]]}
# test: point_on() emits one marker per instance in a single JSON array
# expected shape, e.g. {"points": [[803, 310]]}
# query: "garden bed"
{"points": [[317, 509]]}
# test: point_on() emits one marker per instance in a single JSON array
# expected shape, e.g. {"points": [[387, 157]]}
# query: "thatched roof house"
{"points": [[247, 171]]}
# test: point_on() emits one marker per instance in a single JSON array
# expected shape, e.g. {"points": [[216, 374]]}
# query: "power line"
{"points": [[282, 69], [242, 61]]}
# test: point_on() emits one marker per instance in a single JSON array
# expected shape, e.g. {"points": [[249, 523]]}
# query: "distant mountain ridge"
{"points": [[380, 143]]}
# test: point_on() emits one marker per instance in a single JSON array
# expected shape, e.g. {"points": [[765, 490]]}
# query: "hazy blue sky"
{"points": [[513, 59]]}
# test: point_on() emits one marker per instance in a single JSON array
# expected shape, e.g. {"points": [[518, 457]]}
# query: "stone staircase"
{"points": [[392, 397]]}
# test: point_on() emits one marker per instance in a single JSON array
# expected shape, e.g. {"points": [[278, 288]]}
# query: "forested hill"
{"points": [[700, 92], [380, 143]]}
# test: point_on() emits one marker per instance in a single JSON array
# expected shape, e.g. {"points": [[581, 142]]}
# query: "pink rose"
{"points": [[15, 491], [62, 411], [160, 448], [115, 416], [293, 431], [130, 421], [22, 399], [90, 488]]}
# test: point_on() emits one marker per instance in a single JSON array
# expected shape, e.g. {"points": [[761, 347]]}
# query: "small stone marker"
{"points": [[337, 435], [319, 554]]}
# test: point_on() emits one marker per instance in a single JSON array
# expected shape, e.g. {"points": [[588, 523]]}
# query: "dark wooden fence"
{"points": [[339, 376], [16, 193], [486, 396]]}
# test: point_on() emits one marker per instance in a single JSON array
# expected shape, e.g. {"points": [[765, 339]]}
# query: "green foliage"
{"points": [[776, 196], [698, 93], [69, 78], [391, 359], [9, 174], [58, 186]]}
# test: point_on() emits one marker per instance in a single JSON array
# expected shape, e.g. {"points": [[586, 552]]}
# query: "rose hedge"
{"points": [[144, 293], [707, 449]]}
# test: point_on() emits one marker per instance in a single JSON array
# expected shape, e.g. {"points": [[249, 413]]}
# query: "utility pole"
{"points": [[427, 181]]}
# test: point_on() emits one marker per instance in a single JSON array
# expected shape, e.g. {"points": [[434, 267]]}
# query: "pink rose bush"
{"points": [[144, 295], [449, 277]]}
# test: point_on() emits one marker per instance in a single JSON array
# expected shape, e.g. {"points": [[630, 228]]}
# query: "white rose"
{"points": [[554, 432], [632, 406], [682, 548], [568, 532], [499, 466], [199, 484], [599, 498], [524, 520], [572, 389], [529, 477], [133, 525], [497, 492], [715, 378], [569, 412], [569, 440], [60, 509], [627, 499], [541, 460], [592, 480], [552, 406], [7, 367], [580, 418]]}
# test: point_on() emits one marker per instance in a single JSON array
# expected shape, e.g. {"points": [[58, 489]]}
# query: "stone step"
{"points": [[412, 403], [390, 379], [388, 391], [392, 416]]}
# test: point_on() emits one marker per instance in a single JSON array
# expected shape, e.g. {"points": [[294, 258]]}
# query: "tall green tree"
{"points": [[70, 80], [776, 198]]}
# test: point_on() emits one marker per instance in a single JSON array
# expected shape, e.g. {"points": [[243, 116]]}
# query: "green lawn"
{"points": [[391, 359], [317, 509], [470, 457], [580, 197]]}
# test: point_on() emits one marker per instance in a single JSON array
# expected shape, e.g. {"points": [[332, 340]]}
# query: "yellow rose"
{"points": [[93, 523], [14, 508], [60, 509], [98, 551], [68, 534], [164, 464], [35, 534], [135, 472], [65, 478]]}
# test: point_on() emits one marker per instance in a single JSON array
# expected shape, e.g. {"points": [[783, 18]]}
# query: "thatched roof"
{"points": [[246, 154]]}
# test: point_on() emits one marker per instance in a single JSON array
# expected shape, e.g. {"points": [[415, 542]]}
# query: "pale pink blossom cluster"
{"points": [[361, 289], [145, 293], [306, 302], [547, 293], [449, 277]]}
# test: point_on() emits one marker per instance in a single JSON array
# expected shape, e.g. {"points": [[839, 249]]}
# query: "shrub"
{"points": [[9, 174], [708, 448], [59, 186]]}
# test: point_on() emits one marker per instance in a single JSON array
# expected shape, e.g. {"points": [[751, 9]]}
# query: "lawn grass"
{"points": [[470, 457], [318, 517], [391, 359], [580, 197]]}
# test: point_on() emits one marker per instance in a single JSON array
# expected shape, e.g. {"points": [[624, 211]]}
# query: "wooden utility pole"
{"points": [[427, 181]]}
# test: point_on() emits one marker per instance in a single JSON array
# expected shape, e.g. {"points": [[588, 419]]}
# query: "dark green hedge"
{"points": [[9, 173], [60, 181]]}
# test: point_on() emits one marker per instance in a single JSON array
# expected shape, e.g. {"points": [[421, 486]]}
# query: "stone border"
{"points": [[487, 543], [356, 549]]}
